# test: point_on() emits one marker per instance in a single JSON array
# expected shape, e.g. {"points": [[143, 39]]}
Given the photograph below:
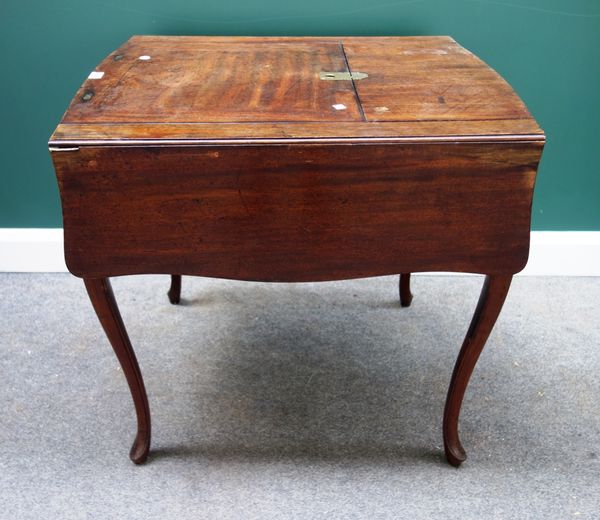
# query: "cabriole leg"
{"points": [[103, 300], [404, 287], [488, 308], [174, 293]]}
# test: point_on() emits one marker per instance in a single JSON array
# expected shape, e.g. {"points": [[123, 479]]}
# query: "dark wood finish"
{"points": [[218, 82], [105, 305], [493, 294], [194, 88], [502, 130], [430, 79], [297, 213], [231, 158], [174, 293], [404, 288]]}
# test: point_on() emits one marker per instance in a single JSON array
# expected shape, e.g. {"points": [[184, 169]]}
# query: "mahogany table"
{"points": [[292, 160]]}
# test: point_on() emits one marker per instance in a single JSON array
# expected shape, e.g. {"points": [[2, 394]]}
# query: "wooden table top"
{"points": [[190, 89]]}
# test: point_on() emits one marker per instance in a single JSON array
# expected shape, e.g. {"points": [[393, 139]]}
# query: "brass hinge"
{"points": [[337, 76]]}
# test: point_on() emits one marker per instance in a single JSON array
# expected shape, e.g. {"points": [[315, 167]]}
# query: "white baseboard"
{"points": [[564, 253], [553, 253], [28, 250]]}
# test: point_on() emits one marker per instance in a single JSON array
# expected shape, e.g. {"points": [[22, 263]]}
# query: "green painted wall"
{"points": [[549, 50]]}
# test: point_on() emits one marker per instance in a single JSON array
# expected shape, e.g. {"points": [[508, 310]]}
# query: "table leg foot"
{"points": [[404, 287], [140, 448], [174, 293], [105, 305], [493, 294]]}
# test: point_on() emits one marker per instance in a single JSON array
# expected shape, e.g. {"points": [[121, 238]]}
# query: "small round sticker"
{"points": [[144, 57]]}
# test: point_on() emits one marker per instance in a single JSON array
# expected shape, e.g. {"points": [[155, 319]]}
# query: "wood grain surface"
{"points": [[254, 81], [295, 213], [248, 88]]}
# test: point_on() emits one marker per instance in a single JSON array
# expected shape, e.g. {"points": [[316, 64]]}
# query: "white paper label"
{"points": [[339, 106], [96, 75]]}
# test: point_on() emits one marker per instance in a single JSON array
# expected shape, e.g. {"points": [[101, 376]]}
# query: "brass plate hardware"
{"points": [[337, 76]]}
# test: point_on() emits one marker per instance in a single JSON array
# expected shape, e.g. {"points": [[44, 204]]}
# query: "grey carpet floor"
{"points": [[299, 401]]}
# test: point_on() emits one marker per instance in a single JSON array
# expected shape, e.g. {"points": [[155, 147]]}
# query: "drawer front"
{"points": [[297, 212]]}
